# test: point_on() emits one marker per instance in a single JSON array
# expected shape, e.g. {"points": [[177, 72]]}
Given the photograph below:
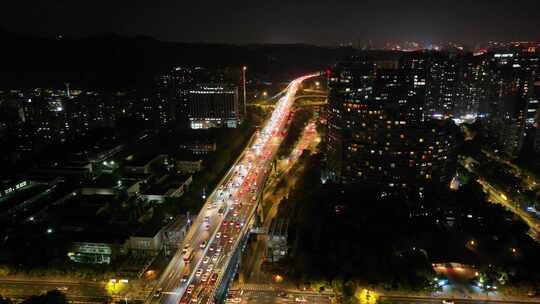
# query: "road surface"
{"points": [[197, 268]]}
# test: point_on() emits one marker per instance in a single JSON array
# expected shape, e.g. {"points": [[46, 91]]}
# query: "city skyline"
{"points": [[349, 152]]}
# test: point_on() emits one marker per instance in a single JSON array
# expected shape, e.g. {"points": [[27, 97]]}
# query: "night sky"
{"points": [[270, 21]]}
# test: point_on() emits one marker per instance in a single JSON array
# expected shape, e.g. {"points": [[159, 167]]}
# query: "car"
{"points": [[158, 292], [230, 240], [186, 248], [184, 278], [210, 268], [215, 257], [231, 223], [213, 278], [212, 248], [204, 278], [219, 249], [206, 260], [203, 245], [190, 288], [300, 300], [218, 235], [238, 225], [447, 302], [225, 223], [199, 272]]}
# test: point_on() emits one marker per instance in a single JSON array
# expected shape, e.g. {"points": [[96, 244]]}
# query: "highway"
{"points": [[197, 268]]}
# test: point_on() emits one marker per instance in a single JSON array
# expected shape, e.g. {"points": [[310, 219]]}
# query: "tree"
{"points": [[51, 297]]}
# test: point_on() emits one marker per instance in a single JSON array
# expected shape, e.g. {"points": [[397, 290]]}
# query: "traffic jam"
{"points": [[235, 202]]}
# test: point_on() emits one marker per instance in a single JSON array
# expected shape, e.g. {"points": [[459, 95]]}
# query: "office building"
{"points": [[213, 105]]}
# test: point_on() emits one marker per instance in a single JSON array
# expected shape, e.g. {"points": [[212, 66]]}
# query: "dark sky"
{"points": [[313, 21]]}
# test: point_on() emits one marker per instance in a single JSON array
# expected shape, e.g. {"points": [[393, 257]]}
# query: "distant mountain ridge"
{"points": [[114, 61]]}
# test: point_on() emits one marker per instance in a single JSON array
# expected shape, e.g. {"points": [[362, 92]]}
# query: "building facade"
{"points": [[378, 133], [213, 106]]}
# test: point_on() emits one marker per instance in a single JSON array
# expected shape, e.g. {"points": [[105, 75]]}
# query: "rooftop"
{"points": [[166, 183]]}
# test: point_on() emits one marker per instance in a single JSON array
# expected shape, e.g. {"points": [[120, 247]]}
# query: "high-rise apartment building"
{"points": [[510, 94], [377, 132]]}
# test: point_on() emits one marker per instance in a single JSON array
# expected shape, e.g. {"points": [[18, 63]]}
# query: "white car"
{"points": [[199, 272], [218, 235], [210, 268], [203, 245], [206, 260], [447, 302]]}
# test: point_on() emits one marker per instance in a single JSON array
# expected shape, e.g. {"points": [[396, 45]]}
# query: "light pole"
{"points": [[244, 68]]}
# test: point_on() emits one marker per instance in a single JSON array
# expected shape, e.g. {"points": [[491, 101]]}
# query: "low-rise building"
{"points": [[149, 240], [277, 247], [142, 164], [189, 166], [95, 252], [166, 187], [199, 147]]}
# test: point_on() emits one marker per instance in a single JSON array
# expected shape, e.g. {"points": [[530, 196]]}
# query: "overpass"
{"points": [[266, 104], [205, 264]]}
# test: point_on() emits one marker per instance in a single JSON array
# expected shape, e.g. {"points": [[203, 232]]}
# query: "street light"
{"points": [[244, 68]]}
